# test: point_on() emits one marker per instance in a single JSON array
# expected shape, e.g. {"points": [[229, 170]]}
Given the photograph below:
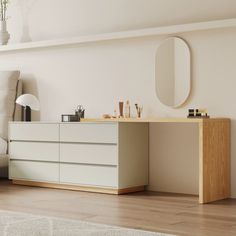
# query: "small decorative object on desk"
{"points": [[121, 107], [197, 113], [4, 35], [139, 110], [70, 118], [127, 109], [106, 116], [79, 113], [115, 114]]}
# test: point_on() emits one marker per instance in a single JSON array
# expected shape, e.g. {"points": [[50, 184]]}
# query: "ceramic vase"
{"points": [[4, 35]]}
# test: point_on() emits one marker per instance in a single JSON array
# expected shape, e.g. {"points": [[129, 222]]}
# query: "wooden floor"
{"points": [[169, 213]]}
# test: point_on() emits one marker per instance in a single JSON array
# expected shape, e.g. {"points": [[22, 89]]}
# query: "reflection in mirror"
{"points": [[173, 82]]}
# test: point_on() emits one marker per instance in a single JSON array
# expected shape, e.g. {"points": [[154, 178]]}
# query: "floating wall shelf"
{"points": [[164, 30]]}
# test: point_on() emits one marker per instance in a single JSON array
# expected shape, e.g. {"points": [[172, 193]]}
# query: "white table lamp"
{"points": [[29, 102]]}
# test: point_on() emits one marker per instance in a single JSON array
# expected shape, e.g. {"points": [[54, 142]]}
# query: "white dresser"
{"points": [[110, 157]]}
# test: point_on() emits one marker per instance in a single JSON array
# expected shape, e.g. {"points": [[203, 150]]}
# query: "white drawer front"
{"points": [[34, 171], [34, 151], [103, 154], [89, 133], [34, 132], [104, 176]]}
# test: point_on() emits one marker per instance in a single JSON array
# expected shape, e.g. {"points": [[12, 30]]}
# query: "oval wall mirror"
{"points": [[173, 73]]}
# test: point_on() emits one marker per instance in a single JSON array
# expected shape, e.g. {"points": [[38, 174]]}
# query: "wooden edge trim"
{"points": [[217, 120], [79, 188], [131, 190], [157, 120], [200, 184]]}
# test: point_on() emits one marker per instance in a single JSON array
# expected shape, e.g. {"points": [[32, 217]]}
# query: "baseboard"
{"points": [[80, 188]]}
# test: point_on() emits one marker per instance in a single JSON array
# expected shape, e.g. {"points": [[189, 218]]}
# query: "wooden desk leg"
{"points": [[214, 160]]}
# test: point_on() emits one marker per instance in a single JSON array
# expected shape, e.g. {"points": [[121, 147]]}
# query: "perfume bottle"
{"points": [[127, 109], [121, 107], [115, 114]]}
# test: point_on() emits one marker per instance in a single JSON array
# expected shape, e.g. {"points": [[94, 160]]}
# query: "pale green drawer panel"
{"points": [[89, 175], [104, 154], [34, 132], [34, 171], [89, 133], [34, 151]]}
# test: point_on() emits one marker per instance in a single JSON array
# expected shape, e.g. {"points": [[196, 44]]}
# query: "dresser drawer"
{"points": [[34, 171], [34, 151], [89, 133], [90, 175], [34, 132], [103, 154]]}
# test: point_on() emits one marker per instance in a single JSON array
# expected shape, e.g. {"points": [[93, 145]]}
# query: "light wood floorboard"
{"points": [[170, 213]]}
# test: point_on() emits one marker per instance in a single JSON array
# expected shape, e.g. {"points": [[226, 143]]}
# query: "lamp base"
{"points": [[27, 114]]}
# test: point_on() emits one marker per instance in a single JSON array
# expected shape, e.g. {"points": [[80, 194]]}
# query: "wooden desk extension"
{"points": [[214, 153]]}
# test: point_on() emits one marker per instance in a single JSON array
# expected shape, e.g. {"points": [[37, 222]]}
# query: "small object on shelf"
{"points": [[121, 107], [190, 112], [197, 113], [139, 110], [4, 35], [80, 111], [127, 109], [106, 116], [70, 118], [115, 114]]}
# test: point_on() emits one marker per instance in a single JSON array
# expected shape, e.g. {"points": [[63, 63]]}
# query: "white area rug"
{"points": [[20, 224]]}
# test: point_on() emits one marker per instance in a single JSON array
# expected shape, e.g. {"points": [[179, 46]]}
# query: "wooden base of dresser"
{"points": [[80, 188]]}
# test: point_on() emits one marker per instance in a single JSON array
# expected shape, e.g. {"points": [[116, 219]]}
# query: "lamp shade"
{"points": [[28, 100]]}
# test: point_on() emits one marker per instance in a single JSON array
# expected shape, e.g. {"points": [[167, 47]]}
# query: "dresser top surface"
{"points": [[131, 120]]}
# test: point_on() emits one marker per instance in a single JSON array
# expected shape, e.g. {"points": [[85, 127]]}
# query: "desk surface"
{"points": [[155, 120], [134, 120]]}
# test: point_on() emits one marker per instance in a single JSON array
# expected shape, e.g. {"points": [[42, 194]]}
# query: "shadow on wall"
{"points": [[30, 86], [233, 157], [25, 7]]}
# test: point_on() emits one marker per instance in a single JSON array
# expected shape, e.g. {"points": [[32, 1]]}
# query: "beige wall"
{"points": [[99, 75], [59, 18]]}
